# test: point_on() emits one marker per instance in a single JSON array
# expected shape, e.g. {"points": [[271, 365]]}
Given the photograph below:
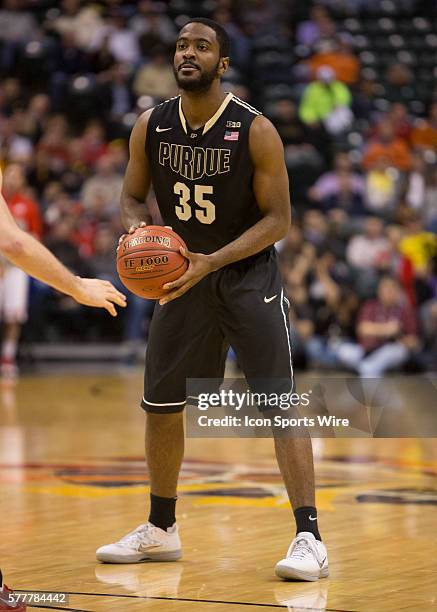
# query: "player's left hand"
{"points": [[199, 266]]}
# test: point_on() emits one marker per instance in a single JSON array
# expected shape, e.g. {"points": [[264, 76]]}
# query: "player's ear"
{"points": [[223, 66]]}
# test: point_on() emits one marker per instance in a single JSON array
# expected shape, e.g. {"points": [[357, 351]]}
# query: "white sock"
{"points": [[9, 350]]}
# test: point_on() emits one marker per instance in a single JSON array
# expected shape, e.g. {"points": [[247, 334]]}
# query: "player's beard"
{"points": [[202, 83]]}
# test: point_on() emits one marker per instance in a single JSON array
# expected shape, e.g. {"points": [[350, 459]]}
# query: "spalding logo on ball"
{"points": [[149, 258]]}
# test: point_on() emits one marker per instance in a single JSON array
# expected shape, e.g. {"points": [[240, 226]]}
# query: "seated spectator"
{"points": [[387, 146], [416, 182], [421, 194], [34, 118], [397, 78], [291, 129], [338, 55], [340, 188], [291, 246], [338, 324], [302, 316], [424, 133], [365, 253], [41, 172], [418, 245], [398, 116], [83, 24], [394, 263], [67, 61], [118, 150], [303, 146], [54, 142], [315, 227], [61, 243], [264, 17], [13, 146], [17, 26], [77, 172], [155, 78], [382, 184], [240, 44], [318, 26], [363, 104], [152, 25], [106, 182], [386, 330], [116, 91], [93, 142], [296, 257], [123, 42], [327, 101]]}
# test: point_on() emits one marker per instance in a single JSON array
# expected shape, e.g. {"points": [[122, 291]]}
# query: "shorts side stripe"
{"points": [[287, 332]]}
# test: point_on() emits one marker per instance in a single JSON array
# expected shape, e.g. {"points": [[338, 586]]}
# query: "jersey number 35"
{"points": [[184, 211]]}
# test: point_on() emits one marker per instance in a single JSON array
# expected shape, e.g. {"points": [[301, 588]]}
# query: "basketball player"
{"points": [[217, 168], [27, 253]]}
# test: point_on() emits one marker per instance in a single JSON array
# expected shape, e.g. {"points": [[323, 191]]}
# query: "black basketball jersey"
{"points": [[203, 179]]}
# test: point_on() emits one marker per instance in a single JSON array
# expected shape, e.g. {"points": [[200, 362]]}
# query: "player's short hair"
{"points": [[222, 35]]}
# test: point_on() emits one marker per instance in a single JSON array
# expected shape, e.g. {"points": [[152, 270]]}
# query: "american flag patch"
{"points": [[231, 135]]}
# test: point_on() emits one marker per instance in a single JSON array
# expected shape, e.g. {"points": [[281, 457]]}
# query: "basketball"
{"points": [[149, 258]]}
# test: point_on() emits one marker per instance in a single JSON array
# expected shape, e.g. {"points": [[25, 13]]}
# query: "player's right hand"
{"points": [[131, 230], [99, 294]]}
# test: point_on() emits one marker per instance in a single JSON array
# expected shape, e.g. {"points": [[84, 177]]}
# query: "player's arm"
{"points": [[27, 253], [270, 184], [137, 178], [272, 194]]}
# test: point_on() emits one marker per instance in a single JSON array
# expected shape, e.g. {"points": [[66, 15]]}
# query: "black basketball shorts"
{"points": [[242, 305]]}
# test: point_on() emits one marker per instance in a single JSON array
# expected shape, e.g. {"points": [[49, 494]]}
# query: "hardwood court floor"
{"points": [[72, 478]]}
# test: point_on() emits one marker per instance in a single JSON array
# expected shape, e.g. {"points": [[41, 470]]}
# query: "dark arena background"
{"points": [[351, 86]]}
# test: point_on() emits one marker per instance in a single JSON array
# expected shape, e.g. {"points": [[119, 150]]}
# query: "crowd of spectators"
{"points": [[360, 262]]}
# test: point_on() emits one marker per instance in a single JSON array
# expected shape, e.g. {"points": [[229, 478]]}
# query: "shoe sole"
{"points": [[173, 555], [287, 573]]}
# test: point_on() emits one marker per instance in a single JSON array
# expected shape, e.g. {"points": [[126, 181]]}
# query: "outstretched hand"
{"points": [[100, 294], [198, 267]]}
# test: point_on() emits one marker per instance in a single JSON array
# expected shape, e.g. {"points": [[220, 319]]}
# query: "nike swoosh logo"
{"points": [[312, 519], [146, 547], [158, 129], [322, 562], [267, 300]]}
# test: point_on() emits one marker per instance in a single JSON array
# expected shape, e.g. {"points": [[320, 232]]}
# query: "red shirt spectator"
{"points": [[386, 318], [26, 213], [387, 146]]}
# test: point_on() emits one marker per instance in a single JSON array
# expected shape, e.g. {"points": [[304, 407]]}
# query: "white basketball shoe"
{"points": [[145, 543], [307, 559]]}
